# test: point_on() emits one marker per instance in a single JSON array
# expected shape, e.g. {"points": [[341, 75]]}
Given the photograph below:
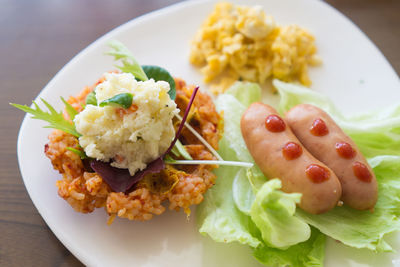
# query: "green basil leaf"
{"points": [[91, 99], [124, 100], [161, 74]]}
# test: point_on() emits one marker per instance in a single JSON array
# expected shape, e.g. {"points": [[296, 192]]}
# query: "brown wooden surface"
{"points": [[37, 38]]}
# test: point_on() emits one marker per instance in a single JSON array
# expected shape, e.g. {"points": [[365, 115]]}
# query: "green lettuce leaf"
{"points": [[272, 212], [243, 192], [245, 92], [218, 215], [233, 109], [308, 254], [233, 103], [365, 229]]}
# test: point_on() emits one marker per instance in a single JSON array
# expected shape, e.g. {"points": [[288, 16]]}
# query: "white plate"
{"points": [[354, 74]]}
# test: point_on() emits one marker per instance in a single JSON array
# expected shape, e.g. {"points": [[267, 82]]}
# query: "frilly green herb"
{"points": [[55, 119], [142, 73], [129, 63]]}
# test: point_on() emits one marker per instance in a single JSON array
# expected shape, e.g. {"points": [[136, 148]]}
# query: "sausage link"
{"points": [[338, 152], [296, 170]]}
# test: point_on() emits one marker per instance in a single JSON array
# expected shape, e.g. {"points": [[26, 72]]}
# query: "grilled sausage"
{"points": [[317, 131], [278, 153]]}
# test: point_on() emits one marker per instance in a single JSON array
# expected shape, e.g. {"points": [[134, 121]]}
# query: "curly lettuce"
{"points": [[229, 212], [272, 212], [240, 207]]}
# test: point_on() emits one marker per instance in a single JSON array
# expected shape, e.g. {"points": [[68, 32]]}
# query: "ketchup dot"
{"points": [[275, 124], [345, 150], [319, 128], [317, 173], [361, 172], [292, 151]]}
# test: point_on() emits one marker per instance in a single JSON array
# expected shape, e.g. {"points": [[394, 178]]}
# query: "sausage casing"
{"points": [[357, 193], [266, 148]]}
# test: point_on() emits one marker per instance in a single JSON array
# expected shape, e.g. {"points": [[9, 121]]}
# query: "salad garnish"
{"points": [[129, 63], [120, 179], [120, 52], [142, 73], [55, 119]]}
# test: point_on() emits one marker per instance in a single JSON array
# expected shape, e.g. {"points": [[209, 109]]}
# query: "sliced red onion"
{"points": [[119, 179], [178, 133]]}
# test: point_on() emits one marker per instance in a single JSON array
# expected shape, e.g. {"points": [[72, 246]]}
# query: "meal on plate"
{"points": [[278, 179], [120, 144], [241, 42]]}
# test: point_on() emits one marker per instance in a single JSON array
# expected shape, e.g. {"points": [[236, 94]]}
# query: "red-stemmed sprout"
{"points": [[120, 180]]}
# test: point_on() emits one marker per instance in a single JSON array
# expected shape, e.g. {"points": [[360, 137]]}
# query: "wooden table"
{"points": [[37, 38]]}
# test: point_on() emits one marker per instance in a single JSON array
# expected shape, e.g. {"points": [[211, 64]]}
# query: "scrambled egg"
{"points": [[131, 137], [240, 42]]}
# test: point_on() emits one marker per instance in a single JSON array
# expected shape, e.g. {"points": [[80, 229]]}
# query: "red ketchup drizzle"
{"points": [[319, 128], [292, 151], [345, 150], [361, 172], [275, 124], [317, 173]]}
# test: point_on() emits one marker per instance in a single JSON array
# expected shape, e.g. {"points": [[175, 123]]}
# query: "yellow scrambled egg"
{"points": [[240, 42]]}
